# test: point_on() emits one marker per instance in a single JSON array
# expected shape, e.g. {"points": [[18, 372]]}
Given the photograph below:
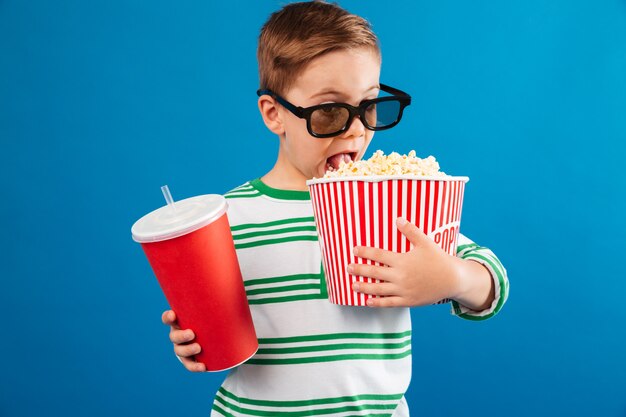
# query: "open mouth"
{"points": [[335, 161]]}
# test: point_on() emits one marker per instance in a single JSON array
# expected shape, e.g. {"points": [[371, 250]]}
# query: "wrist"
{"points": [[460, 275], [474, 289]]}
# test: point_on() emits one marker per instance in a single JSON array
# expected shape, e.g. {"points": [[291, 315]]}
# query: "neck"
{"points": [[280, 179], [285, 176]]}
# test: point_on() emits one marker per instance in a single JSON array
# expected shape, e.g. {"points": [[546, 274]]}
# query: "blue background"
{"points": [[102, 102]]}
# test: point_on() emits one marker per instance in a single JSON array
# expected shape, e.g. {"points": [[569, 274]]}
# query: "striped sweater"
{"points": [[314, 357]]}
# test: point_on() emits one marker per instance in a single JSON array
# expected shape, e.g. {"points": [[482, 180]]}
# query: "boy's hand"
{"points": [[424, 275], [184, 349]]}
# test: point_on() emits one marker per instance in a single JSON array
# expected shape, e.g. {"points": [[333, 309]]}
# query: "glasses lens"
{"points": [[329, 119], [383, 113]]}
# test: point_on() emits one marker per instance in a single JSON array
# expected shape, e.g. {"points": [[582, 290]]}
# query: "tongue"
{"points": [[336, 160]]}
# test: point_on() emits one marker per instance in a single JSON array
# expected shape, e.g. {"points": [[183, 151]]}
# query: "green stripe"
{"points": [[461, 248], [242, 195], [275, 232], [322, 411], [246, 186], [501, 299], [271, 290], [272, 223], [340, 346], [284, 278], [334, 336], [317, 401], [242, 192], [334, 358], [226, 414], [274, 241], [279, 194], [287, 299], [222, 411]]}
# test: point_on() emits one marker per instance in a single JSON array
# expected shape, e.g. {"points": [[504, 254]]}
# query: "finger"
{"points": [[181, 336], [186, 351], [379, 255], [169, 317], [383, 273], [412, 232], [381, 288], [192, 365], [386, 302]]}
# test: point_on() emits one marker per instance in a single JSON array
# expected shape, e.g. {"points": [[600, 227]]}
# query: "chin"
{"points": [[320, 172]]}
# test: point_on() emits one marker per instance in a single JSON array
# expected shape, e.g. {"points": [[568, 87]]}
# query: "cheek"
{"points": [[369, 135], [304, 146]]}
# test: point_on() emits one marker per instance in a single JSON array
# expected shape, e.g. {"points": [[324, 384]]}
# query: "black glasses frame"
{"points": [[305, 112]]}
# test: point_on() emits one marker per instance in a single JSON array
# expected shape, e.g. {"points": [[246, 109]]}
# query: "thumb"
{"points": [[412, 232]]}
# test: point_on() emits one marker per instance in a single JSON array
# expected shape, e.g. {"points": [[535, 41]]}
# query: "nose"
{"points": [[356, 128]]}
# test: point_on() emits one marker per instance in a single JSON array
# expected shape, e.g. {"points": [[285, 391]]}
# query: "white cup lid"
{"points": [[188, 215]]}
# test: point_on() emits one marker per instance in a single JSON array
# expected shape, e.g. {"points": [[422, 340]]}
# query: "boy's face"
{"points": [[344, 76]]}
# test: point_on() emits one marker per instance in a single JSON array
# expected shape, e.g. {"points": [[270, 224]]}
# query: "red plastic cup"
{"points": [[362, 211], [191, 251]]}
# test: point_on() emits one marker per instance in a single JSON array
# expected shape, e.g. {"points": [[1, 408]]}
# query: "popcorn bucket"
{"points": [[362, 211]]}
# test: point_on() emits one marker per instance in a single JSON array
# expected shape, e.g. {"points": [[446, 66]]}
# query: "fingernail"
{"points": [[350, 268], [370, 302], [355, 250], [401, 221], [355, 286]]}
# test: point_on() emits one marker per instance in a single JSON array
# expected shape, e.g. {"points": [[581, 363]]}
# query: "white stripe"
{"points": [[336, 274], [439, 202], [331, 266], [321, 193], [405, 203], [429, 204], [243, 192], [255, 229], [336, 341], [275, 236], [342, 271], [246, 186], [350, 256], [342, 404], [392, 215], [314, 291], [422, 206], [385, 216], [413, 206], [375, 210], [460, 208], [281, 284], [359, 221], [333, 352], [368, 226]]}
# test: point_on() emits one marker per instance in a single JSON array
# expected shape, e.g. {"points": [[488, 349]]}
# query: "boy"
{"points": [[316, 357]]}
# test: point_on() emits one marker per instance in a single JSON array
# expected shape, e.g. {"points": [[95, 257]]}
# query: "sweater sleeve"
{"points": [[469, 250]]}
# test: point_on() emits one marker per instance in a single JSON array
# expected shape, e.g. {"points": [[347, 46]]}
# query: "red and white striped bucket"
{"points": [[362, 211]]}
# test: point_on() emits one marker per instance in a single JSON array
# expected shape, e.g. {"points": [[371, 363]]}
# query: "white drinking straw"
{"points": [[168, 197]]}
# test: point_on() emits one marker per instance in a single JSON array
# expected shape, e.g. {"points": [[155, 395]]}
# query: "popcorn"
{"points": [[392, 164]]}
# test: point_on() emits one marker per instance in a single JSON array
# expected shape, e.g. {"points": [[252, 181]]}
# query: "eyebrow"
{"points": [[339, 93]]}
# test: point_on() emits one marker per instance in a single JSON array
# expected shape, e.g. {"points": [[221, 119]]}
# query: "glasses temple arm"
{"points": [[294, 109], [394, 91]]}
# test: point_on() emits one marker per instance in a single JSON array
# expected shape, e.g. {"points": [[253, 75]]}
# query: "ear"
{"points": [[271, 116]]}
